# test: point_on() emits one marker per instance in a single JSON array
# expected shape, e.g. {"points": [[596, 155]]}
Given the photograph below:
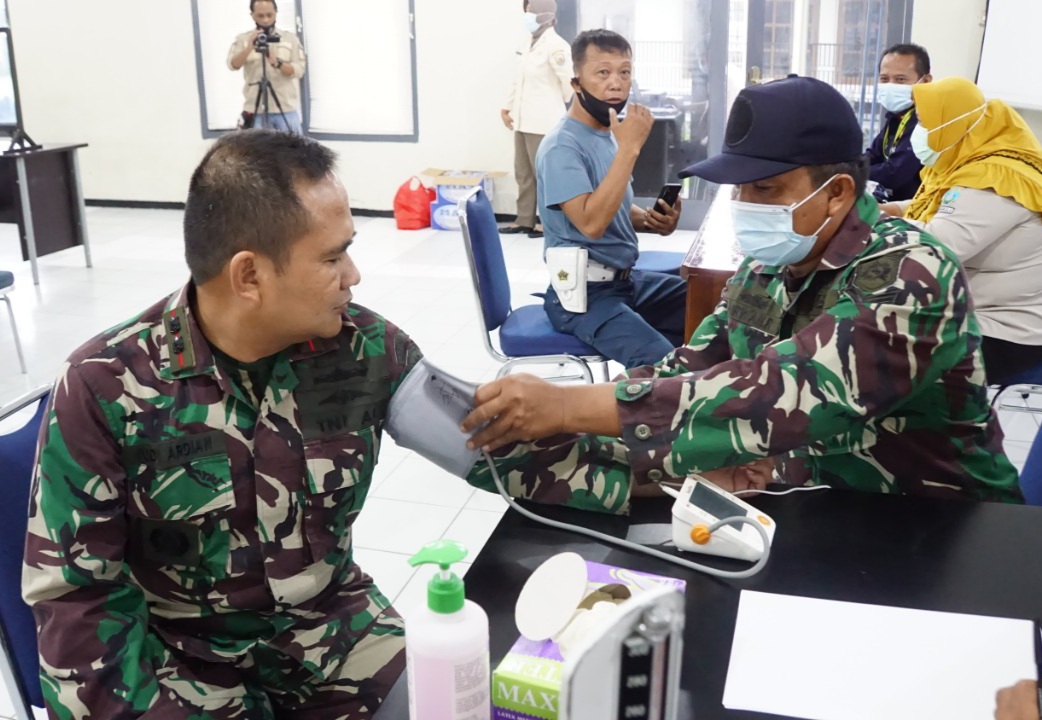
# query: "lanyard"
{"points": [[888, 149]]}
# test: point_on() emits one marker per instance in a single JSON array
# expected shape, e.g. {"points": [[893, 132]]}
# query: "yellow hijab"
{"points": [[998, 153]]}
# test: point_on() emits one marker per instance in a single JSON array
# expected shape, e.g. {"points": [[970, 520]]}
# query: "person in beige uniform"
{"points": [[537, 101], [982, 197], [286, 64]]}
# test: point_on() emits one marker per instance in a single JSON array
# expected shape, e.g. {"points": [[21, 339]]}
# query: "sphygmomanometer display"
{"points": [[715, 504]]}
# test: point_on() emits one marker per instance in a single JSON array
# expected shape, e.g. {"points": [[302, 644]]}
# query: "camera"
{"points": [[266, 38]]}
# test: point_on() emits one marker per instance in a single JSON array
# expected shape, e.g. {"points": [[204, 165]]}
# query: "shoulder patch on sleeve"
{"points": [[875, 274], [559, 58], [406, 352]]}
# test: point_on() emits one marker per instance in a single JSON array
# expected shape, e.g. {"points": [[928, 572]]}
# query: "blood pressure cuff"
{"points": [[425, 414]]}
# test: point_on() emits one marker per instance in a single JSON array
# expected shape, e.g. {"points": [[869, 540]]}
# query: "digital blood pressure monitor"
{"points": [[700, 504]]}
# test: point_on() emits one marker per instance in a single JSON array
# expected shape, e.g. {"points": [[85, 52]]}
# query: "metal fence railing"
{"points": [[835, 64], [662, 67]]}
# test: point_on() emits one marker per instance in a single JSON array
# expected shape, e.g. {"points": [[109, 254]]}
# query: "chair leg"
{"points": [[1026, 390], [587, 372], [23, 710], [560, 360], [14, 331], [998, 396]]}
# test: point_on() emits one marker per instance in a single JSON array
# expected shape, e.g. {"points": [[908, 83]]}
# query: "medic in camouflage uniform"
{"points": [[190, 549], [846, 344]]}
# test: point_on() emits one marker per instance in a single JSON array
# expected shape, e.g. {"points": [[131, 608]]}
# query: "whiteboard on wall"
{"points": [[1011, 61]]}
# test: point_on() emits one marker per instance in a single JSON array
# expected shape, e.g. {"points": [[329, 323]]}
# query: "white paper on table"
{"points": [[829, 660]]}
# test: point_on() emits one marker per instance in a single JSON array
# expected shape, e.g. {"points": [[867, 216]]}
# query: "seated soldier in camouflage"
{"points": [[189, 548], [846, 342]]}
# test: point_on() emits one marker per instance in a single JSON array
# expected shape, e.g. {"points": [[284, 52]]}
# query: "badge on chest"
{"points": [[343, 397], [753, 305]]}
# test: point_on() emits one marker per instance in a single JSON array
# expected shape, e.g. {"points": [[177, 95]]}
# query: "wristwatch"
{"points": [[279, 64]]}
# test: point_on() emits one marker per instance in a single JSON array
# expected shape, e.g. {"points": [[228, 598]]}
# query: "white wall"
{"points": [[134, 96], [953, 32]]}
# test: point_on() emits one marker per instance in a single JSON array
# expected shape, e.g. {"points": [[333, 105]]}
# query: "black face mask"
{"points": [[598, 109]]}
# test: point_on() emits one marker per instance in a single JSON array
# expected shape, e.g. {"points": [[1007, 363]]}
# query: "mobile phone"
{"points": [[670, 192]]}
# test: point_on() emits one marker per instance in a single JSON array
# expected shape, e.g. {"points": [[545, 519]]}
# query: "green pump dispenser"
{"points": [[445, 590]]}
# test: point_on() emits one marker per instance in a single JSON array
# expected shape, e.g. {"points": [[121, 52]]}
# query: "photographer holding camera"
{"points": [[276, 103]]}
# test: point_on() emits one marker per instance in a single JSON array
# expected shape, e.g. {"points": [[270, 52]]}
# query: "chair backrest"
{"points": [[485, 254], [17, 458], [1033, 376], [1031, 475]]}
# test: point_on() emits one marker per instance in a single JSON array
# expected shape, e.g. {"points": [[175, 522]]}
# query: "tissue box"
{"points": [[450, 187], [445, 215], [526, 684]]}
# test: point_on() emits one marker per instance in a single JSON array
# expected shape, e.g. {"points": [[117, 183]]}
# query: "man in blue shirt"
{"points": [[584, 169], [895, 167]]}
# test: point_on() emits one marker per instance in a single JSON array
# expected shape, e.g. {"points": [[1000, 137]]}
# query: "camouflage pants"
{"points": [[267, 684]]}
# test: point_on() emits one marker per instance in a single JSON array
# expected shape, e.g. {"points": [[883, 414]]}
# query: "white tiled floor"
{"points": [[419, 280]]}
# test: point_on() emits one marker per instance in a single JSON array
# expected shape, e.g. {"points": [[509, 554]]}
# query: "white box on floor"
{"points": [[451, 186]]}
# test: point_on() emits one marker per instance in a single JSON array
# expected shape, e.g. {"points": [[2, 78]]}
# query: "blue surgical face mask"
{"points": [[921, 143], [894, 98], [532, 22], [765, 232], [921, 147]]}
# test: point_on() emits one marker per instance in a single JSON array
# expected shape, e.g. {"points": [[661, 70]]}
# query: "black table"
{"points": [[944, 555], [41, 191]]}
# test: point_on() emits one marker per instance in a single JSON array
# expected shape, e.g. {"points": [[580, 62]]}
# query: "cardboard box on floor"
{"points": [[451, 186]]}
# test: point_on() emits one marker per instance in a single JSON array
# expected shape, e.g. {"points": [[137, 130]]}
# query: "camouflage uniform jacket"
{"points": [[169, 507], [868, 375]]}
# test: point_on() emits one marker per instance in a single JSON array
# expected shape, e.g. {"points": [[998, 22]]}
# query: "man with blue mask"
{"points": [[845, 346], [895, 168]]}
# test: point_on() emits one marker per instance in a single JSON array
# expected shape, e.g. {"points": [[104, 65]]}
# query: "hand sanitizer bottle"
{"points": [[446, 645]]}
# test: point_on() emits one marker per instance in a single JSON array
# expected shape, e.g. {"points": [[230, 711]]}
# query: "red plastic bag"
{"points": [[412, 205]]}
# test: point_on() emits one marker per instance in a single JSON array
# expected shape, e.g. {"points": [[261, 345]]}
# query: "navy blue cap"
{"points": [[780, 126]]}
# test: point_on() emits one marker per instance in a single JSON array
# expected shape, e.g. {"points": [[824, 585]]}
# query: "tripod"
{"points": [[265, 93]]}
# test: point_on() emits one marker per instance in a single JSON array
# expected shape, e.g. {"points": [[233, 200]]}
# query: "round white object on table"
{"points": [[551, 596]]}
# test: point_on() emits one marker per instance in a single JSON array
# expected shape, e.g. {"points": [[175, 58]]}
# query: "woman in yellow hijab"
{"points": [[982, 197]]}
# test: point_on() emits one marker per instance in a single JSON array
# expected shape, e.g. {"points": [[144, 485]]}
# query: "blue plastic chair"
{"points": [[1028, 377], [660, 261], [525, 333], [6, 286], [1031, 475], [21, 664], [1028, 382]]}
